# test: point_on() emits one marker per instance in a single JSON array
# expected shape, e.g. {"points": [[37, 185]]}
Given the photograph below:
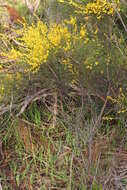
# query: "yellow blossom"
{"points": [[59, 36], [72, 21], [96, 63], [39, 42], [99, 8]]}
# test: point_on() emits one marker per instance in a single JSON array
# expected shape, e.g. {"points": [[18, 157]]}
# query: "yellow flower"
{"points": [[39, 42], [89, 67], [96, 31], [59, 36], [82, 32], [101, 7], [14, 54], [86, 18], [98, 7], [61, 1], [96, 63], [72, 21]]}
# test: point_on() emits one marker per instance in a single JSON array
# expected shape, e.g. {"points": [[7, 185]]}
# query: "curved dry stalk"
{"points": [[25, 102], [32, 6]]}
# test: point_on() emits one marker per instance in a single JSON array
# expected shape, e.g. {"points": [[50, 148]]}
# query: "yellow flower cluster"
{"points": [[77, 34], [14, 54], [59, 36], [38, 42], [97, 7], [120, 101], [35, 40]]}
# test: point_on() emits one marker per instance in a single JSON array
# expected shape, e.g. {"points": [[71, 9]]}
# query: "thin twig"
{"points": [[71, 165], [101, 112], [55, 109], [31, 98], [1, 187], [120, 17], [25, 102]]}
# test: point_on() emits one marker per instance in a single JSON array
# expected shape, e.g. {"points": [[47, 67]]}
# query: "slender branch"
{"points": [[32, 7], [36, 5], [32, 98], [120, 17], [25, 102]]}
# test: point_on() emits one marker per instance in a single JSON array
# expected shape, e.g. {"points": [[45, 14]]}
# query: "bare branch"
{"points": [[32, 7], [119, 16], [25, 102], [36, 5]]}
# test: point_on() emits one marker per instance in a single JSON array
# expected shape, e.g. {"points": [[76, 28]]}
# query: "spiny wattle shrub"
{"points": [[34, 48], [82, 53]]}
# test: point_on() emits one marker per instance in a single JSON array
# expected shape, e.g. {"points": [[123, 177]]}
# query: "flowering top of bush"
{"points": [[97, 7], [35, 40], [38, 42]]}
